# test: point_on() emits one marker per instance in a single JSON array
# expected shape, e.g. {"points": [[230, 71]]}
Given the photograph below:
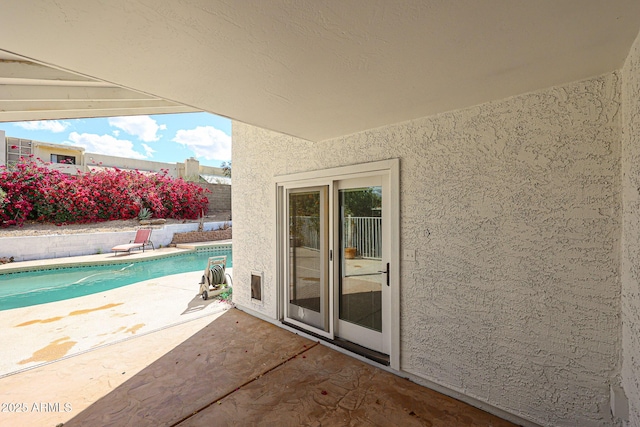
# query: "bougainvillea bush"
{"points": [[31, 191]]}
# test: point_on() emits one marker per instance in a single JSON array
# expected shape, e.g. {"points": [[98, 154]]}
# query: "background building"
{"points": [[72, 159]]}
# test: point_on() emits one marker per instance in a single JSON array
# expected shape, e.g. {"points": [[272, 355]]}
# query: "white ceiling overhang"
{"points": [[319, 69], [31, 91]]}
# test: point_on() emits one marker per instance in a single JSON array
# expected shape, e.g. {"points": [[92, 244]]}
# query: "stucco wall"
{"points": [[631, 232], [513, 209]]}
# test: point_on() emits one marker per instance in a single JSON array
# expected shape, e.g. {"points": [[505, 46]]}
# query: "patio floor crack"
{"points": [[214, 401]]}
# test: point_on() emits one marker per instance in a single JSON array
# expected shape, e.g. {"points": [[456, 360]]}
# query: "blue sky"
{"points": [[168, 138]]}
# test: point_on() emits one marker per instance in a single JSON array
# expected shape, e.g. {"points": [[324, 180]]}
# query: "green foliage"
{"points": [[226, 168], [226, 295], [304, 211], [144, 214], [304, 204], [362, 202]]}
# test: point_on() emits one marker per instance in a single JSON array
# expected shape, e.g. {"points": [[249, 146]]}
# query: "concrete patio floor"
{"points": [[207, 366], [236, 370]]}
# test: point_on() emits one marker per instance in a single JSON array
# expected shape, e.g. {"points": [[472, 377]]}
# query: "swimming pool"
{"points": [[42, 286]]}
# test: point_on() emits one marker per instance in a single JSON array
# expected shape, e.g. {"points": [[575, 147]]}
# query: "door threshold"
{"points": [[373, 355]]}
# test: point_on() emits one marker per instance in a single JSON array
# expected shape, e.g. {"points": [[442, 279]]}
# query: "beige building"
{"points": [[65, 158], [71, 160]]}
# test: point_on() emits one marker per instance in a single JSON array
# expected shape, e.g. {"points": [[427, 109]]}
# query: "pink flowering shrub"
{"points": [[31, 191]]}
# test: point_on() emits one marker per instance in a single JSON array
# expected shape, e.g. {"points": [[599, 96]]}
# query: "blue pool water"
{"points": [[42, 286]]}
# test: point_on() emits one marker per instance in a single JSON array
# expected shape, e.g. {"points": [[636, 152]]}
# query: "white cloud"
{"points": [[105, 144], [148, 150], [54, 126], [143, 127], [206, 141], [116, 133]]}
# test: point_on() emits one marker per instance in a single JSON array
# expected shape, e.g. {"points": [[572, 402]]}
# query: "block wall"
{"points": [[65, 245]]}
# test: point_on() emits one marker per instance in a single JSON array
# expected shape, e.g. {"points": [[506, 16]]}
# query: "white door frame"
{"points": [[375, 340], [326, 311], [310, 179]]}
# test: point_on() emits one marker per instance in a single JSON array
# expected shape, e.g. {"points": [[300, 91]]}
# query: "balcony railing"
{"points": [[362, 233]]}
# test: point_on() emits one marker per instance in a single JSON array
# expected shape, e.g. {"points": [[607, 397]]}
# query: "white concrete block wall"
{"points": [[65, 245], [513, 208], [630, 375], [94, 159]]}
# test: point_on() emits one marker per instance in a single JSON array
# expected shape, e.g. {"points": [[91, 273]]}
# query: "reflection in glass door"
{"points": [[361, 281], [363, 269], [308, 290]]}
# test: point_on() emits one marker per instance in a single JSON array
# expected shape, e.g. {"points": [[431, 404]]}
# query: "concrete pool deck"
{"points": [[47, 332], [56, 392], [49, 344]]}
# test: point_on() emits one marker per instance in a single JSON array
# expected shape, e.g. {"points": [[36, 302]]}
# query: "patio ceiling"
{"points": [[31, 91], [320, 69]]}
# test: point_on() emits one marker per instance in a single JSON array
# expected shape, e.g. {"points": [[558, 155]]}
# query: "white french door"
{"points": [[361, 274], [335, 255], [307, 258]]}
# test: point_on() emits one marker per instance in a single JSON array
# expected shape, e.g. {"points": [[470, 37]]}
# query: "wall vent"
{"points": [[619, 402], [257, 286]]}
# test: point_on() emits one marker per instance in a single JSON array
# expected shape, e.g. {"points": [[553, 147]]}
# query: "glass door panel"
{"points": [[362, 291], [361, 261], [308, 289]]}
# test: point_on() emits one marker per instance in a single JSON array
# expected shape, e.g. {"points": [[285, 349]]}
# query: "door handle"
{"points": [[386, 272]]}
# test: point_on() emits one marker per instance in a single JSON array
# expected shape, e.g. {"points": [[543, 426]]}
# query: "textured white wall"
{"points": [[631, 232], [513, 208]]}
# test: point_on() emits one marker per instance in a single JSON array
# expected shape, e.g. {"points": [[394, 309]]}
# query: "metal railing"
{"points": [[362, 233]]}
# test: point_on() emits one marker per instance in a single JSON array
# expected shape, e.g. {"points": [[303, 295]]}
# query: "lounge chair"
{"points": [[140, 242]]}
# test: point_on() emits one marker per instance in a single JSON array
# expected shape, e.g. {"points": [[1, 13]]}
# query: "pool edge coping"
{"points": [[71, 262]]}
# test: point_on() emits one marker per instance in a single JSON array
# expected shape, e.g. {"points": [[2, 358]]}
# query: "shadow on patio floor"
{"points": [[240, 370]]}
